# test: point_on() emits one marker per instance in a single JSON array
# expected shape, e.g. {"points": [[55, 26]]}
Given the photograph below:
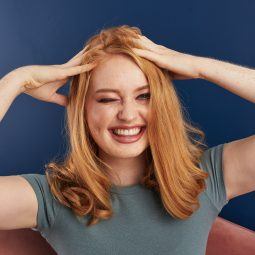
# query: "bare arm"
{"points": [[237, 79], [239, 155], [19, 205], [40, 82], [10, 88], [19, 202]]}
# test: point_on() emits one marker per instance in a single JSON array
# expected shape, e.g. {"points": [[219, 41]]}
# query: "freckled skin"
{"points": [[118, 72]]}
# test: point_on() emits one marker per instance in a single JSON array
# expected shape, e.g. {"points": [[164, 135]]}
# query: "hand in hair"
{"points": [[42, 81], [181, 65]]}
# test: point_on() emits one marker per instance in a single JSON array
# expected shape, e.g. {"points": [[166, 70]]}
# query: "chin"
{"points": [[125, 153]]}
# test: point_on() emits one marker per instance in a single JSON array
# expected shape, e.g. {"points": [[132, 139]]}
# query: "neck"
{"points": [[125, 171]]}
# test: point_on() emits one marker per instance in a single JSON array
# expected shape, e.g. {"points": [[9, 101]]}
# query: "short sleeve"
{"points": [[211, 162], [48, 206]]}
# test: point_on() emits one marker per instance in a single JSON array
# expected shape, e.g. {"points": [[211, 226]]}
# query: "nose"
{"points": [[128, 111]]}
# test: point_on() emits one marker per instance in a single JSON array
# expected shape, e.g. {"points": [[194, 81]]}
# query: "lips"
{"points": [[128, 139], [127, 127]]}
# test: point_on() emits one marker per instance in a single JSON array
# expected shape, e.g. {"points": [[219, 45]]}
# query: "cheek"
{"points": [[99, 117]]}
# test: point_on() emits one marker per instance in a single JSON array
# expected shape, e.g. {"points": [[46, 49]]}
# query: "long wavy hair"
{"points": [[80, 180]]}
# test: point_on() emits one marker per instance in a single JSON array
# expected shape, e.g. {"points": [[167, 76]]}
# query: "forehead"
{"points": [[117, 72]]}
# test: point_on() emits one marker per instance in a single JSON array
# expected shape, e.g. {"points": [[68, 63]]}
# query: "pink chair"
{"points": [[229, 238], [225, 238], [23, 242]]}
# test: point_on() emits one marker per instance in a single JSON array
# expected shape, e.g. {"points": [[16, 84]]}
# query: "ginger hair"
{"points": [[80, 180]]}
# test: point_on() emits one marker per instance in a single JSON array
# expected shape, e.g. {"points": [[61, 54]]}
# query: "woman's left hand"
{"points": [[181, 66]]}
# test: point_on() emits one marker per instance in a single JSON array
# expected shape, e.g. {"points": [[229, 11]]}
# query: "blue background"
{"points": [[51, 32]]}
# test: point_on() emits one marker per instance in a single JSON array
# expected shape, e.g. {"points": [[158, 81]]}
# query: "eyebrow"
{"points": [[118, 91]]}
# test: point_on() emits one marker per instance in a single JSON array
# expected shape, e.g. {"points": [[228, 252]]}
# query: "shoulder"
{"points": [[211, 162], [48, 206]]}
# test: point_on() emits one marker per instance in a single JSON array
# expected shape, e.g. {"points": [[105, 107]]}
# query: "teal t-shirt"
{"points": [[140, 224]]}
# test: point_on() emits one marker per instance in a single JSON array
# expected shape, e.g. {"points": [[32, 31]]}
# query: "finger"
{"points": [[150, 55], [83, 52], [143, 44], [79, 53], [146, 43], [74, 70], [147, 40], [74, 62], [77, 60]]}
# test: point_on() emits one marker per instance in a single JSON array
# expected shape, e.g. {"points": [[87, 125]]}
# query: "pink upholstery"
{"points": [[229, 238], [225, 238], [23, 242]]}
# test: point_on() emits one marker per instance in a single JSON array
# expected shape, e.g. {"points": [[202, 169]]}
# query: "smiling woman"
{"points": [[110, 95], [135, 171]]}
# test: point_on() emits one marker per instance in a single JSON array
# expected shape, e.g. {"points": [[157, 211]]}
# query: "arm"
{"points": [[237, 79], [238, 159], [40, 82], [238, 166], [10, 87], [17, 196], [20, 204], [239, 155]]}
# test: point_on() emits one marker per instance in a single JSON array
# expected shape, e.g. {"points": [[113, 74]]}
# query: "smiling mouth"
{"points": [[127, 138], [141, 129]]}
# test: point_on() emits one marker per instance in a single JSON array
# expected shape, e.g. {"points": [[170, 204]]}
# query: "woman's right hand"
{"points": [[42, 81]]}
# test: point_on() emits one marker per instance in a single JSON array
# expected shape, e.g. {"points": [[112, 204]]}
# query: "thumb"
{"points": [[59, 99]]}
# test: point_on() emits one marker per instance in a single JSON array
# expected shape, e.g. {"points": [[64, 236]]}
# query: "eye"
{"points": [[106, 100], [147, 95]]}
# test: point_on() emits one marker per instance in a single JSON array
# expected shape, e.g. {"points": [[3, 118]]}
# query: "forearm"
{"points": [[237, 79], [10, 88]]}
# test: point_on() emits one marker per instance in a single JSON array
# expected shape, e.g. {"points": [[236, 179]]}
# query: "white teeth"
{"points": [[133, 131]]}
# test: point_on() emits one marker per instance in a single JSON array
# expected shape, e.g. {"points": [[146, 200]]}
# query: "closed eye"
{"points": [[145, 96]]}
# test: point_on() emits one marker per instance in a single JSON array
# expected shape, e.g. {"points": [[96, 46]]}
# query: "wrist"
{"points": [[15, 80], [202, 66]]}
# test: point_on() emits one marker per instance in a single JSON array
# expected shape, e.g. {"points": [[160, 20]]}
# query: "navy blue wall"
{"points": [[51, 32]]}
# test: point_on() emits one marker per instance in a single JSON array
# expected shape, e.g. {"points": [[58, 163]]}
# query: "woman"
{"points": [[136, 177]]}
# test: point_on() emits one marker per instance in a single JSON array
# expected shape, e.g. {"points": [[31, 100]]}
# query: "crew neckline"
{"points": [[127, 189]]}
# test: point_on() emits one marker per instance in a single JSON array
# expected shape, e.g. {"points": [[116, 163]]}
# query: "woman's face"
{"points": [[127, 106]]}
